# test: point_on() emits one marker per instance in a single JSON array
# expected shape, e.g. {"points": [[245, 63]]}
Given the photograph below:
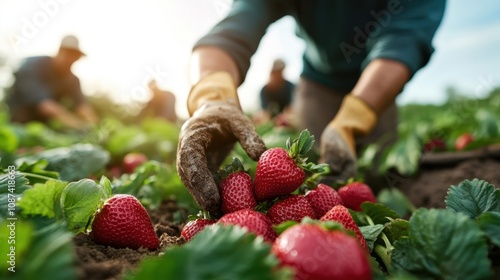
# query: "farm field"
{"points": [[434, 214]]}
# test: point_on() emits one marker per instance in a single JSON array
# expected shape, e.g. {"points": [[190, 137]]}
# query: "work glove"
{"points": [[355, 118], [216, 123]]}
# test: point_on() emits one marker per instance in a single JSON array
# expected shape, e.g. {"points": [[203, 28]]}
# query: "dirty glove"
{"points": [[338, 146], [216, 124]]}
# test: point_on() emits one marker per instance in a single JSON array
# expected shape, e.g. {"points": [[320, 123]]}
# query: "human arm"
{"points": [[86, 113], [395, 54], [52, 110], [219, 64]]}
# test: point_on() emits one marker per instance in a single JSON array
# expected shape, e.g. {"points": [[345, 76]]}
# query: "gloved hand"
{"points": [[338, 146], [216, 124]]}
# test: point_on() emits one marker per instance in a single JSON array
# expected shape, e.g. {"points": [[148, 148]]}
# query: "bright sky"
{"points": [[129, 42]]}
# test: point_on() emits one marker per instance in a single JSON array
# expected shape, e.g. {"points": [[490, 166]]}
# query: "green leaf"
{"points": [[8, 139], [473, 198], [378, 212], [396, 200], [396, 229], [9, 191], [284, 226], [74, 162], [50, 252], [35, 171], [359, 218], [23, 230], [79, 201], [489, 223], [42, 199], [371, 233], [232, 252], [404, 156], [107, 187], [442, 244]]}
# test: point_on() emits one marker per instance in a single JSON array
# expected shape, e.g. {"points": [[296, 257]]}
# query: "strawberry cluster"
{"points": [[276, 196]]}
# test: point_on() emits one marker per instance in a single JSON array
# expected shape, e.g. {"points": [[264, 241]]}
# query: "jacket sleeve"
{"points": [[240, 32], [405, 32]]}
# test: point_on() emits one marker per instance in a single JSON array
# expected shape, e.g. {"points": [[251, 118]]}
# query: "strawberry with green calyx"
{"points": [[253, 221], [341, 215], [322, 199], [124, 222], [280, 172], [196, 224], [291, 208], [333, 253], [236, 188], [194, 227], [354, 194]]}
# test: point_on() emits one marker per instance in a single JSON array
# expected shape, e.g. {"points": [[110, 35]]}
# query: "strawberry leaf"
{"points": [[43, 199], [396, 229], [442, 244], [371, 233], [396, 200], [379, 213], [217, 252], [79, 200], [473, 198], [489, 223]]}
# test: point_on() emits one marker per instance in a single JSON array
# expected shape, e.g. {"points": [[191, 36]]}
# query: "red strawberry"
{"points": [[133, 160], [463, 141], [316, 253], [340, 214], [354, 194], [322, 199], [124, 222], [292, 208], [253, 221], [280, 171], [236, 189], [193, 227]]}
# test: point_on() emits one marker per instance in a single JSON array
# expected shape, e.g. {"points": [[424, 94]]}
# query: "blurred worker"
{"points": [[358, 57], [45, 89], [161, 104], [276, 95]]}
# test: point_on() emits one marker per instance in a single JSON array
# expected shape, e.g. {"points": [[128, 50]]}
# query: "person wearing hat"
{"points": [[276, 95], [46, 90], [358, 57]]}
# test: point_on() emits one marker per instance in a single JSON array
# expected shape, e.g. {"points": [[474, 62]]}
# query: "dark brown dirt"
{"points": [[98, 262], [428, 189]]}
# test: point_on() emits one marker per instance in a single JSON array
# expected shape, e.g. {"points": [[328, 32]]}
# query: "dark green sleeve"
{"points": [[406, 36], [239, 34]]}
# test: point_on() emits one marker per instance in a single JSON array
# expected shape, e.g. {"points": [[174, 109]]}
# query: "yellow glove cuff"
{"points": [[218, 86], [354, 118]]}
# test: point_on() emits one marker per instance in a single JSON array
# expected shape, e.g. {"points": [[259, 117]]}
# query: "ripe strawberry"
{"points": [[236, 189], [463, 141], [340, 214], [316, 253], [434, 144], [124, 222], [292, 208], [354, 194], [132, 160], [253, 221], [193, 227], [322, 199], [280, 171]]}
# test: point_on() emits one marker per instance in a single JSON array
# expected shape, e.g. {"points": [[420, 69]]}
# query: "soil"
{"points": [[98, 262], [428, 189]]}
